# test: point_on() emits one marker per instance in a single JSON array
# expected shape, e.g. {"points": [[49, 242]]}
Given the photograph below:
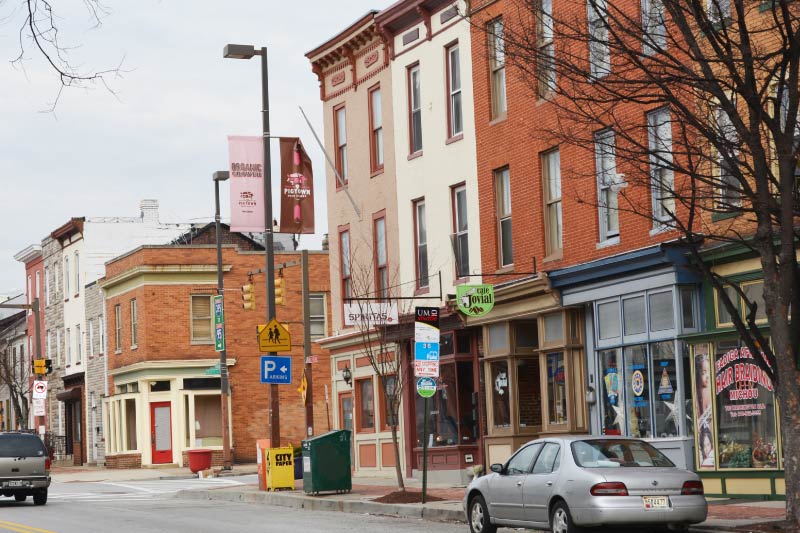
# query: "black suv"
{"points": [[24, 467]]}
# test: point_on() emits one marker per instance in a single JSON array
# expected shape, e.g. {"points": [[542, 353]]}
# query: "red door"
{"points": [[161, 432]]}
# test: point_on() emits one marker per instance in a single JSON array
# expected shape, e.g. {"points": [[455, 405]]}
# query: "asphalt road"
{"points": [[139, 507]]}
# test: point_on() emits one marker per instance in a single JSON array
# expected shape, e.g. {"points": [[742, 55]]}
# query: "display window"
{"points": [[501, 408], [556, 388]]}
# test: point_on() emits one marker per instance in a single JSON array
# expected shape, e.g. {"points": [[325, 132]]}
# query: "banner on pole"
{"points": [[297, 188], [246, 156]]}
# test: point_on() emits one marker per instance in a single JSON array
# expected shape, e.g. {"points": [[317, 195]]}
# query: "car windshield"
{"points": [[21, 446], [616, 453]]}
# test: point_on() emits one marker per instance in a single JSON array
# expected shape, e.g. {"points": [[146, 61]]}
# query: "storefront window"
{"points": [[662, 316], [366, 405], [755, 294], [665, 382], [530, 404], [634, 315], [444, 409], [611, 397], [553, 328], [207, 421], [703, 408], [500, 394], [746, 417], [688, 389], [637, 391], [556, 388], [608, 319], [451, 417], [723, 316], [467, 411], [498, 337]]}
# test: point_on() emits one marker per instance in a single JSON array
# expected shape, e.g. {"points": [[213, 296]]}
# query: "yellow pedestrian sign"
{"points": [[273, 337]]}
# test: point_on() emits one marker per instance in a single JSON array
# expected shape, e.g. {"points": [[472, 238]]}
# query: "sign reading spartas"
{"points": [[475, 300]]}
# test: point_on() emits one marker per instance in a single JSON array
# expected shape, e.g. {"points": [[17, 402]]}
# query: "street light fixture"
{"points": [[224, 383], [242, 51]]}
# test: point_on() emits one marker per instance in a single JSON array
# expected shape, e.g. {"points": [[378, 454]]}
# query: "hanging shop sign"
{"points": [[370, 314], [475, 300], [297, 188], [246, 156]]}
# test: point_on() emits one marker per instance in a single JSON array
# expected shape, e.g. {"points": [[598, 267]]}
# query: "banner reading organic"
{"points": [[246, 156], [297, 188]]}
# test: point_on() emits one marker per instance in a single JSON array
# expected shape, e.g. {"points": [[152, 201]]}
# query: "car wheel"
{"points": [[20, 497], [40, 498], [678, 527], [561, 520], [479, 521]]}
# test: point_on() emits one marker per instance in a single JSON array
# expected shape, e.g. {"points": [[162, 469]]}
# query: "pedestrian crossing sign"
{"points": [[273, 337]]}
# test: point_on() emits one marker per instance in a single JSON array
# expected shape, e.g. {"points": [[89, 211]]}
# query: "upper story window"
{"points": [[91, 350], [497, 67], [77, 274], [134, 324], [29, 294], [599, 50], [381, 270], [66, 278], [654, 26], [461, 230], [729, 197], [340, 140], [719, 11], [415, 110], [39, 285], [546, 67], [659, 133], [78, 344], [102, 327], [551, 174], [47, 286], [502, 183], [68, 345], [455, 124], [344, 250], [608, 207], [754, 290], [421, 243], [202, 319], [118, 328], [376, 129], [317, 324]]}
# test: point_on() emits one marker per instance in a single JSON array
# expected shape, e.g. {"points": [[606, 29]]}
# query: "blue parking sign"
{"points": [[276, 370], [426, 351]]}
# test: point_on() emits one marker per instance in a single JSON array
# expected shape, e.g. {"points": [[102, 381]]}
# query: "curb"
{"points": [[317, 504]]}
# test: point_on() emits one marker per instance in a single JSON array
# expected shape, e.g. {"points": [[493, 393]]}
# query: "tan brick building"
{"points": [[163, 397]]}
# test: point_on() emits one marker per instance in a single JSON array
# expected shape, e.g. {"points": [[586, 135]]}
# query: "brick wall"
{"points": [[127, 460]]}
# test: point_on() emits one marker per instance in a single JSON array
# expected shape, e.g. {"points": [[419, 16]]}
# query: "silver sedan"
{"points": [[567, 483]]}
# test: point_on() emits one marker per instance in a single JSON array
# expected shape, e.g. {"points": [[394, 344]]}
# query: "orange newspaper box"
{"points": [[262, 448]]}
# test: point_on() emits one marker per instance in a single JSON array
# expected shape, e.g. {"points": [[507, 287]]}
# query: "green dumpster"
{"points": [[326, 463]]}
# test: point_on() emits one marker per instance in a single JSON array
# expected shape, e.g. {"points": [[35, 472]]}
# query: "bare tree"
{"points": [[14, 376], [718, 165], [39, 31]]}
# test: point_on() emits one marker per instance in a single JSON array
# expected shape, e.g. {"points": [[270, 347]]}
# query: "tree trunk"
{"points": [[789, 403], [397, 467]]}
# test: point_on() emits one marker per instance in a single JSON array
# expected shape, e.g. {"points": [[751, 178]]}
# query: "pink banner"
{"points": [[246, 155]]}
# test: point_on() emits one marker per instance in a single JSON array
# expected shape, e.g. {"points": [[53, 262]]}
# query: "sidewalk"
{"points": [[724, 515]]}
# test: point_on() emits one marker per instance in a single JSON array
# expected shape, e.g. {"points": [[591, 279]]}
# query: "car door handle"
{"points": [[548, 483], [519, 483]]}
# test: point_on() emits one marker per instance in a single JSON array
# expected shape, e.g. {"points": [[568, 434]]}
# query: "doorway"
{"points": [[161, 432], [346, 421]]}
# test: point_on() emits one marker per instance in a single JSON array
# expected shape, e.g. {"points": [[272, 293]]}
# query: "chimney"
{"points": [[149, 211]]}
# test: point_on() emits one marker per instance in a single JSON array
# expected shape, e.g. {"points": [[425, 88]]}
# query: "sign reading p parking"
{"points": [[276, 370]]}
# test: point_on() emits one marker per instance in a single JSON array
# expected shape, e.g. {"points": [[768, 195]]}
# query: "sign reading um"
{"points": [[273, 337]]}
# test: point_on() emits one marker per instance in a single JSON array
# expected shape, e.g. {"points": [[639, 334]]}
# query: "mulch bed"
{"points": [[781, 526], [407, 496]]}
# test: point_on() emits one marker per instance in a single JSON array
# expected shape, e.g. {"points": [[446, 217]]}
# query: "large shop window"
{"points": [[366, 405], [556, 388], [528, 385], [640, 391], [500, 394], [743, 416], [207, 420], [451, 419]]}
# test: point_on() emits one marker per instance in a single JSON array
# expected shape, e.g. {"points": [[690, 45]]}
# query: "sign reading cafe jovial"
{"points": [[475, 300]]}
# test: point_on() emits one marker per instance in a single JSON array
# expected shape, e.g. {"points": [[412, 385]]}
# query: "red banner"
{"points": [[246, 155], [297, 188]]}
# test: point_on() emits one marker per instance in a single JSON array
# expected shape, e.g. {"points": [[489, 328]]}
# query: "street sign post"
{"points": [[39, 390], [273, 337], [276, 370], [219, 323]]}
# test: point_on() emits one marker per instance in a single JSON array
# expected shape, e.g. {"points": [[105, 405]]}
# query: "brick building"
{"points": [[163, 393]]}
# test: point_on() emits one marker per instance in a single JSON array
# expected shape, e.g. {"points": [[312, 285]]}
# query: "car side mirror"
{"points": [[497, 467]]}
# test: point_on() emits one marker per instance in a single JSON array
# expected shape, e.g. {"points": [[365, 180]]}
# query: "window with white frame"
{"points": [[118, 328], [39, 286], [102, 327], [654, 26], [340, 139], [49, 337], [78, 344], [134, 324], [202, 328], [502, 187], [662, 183], [344, 251], [68, 345], [728, 195], [381, 268], [421, 243], [65, 278], [376, 127], [47, 285], [461, 230], [29, 293], [599, 49], [454, 117], [77, 274], [546, 66], [551, 174], [415, 110], [58, 346], [91, 351], [316, 307], [608, 206], [497, 67]]}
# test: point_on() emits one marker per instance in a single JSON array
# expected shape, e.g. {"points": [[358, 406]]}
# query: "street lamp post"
{"points": [[240, 51], [224, 382]]}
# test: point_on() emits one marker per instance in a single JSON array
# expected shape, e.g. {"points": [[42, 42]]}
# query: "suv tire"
{"points": [[40, 497]]}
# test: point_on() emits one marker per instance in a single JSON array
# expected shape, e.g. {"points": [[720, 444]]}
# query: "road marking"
{"points": [[22, 528]]}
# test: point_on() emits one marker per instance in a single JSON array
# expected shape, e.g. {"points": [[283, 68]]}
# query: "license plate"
{"points": [[652, 503], [16, 483]]}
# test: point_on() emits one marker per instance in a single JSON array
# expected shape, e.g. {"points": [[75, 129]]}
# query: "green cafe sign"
{"points": [[475, 300]]}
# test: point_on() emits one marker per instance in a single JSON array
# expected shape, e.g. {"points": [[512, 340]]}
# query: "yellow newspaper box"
{"points": [[280, 468]]}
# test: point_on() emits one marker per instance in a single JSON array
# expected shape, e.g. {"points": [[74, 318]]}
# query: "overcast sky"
{"points": [[164, 133]]}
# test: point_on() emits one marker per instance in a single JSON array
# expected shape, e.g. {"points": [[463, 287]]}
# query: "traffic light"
{"points": [[39, 366], [248, 297], [48, 365], [280, 291]]}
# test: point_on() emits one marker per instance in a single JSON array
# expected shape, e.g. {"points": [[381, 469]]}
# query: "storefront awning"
{"points": [[70, 394]]}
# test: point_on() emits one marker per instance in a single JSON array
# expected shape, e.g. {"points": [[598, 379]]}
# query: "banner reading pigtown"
{"points": [[246, 156], [297, 188]]}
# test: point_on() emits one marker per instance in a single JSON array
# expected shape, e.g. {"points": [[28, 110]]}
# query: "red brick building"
{"points": [[163, 396]]}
